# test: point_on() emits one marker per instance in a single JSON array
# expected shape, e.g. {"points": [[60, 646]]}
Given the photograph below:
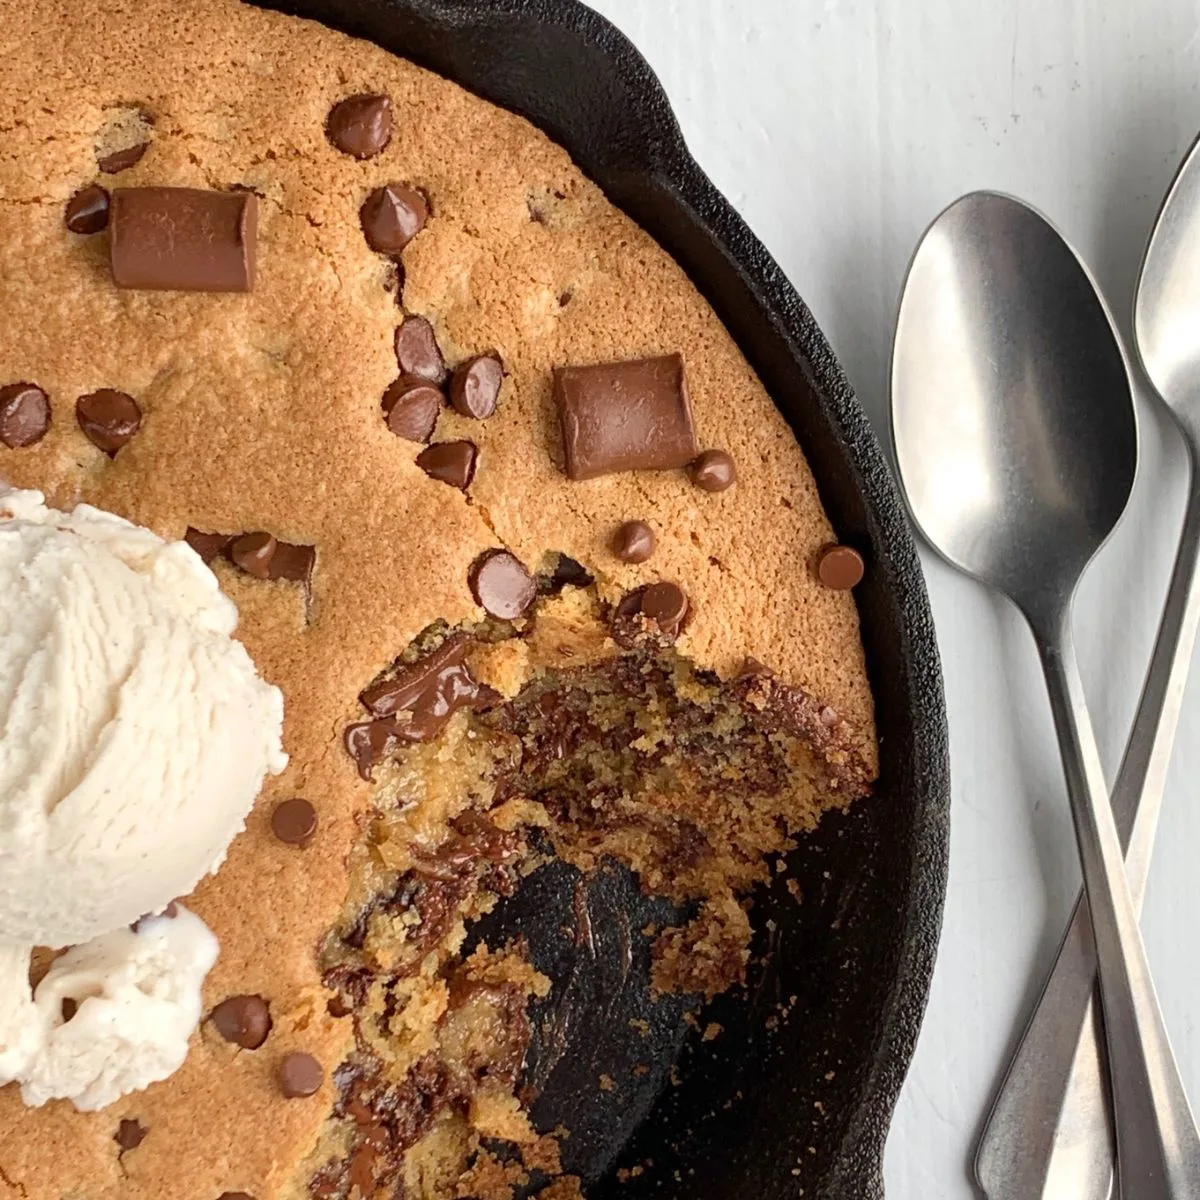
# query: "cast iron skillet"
{"points": [[794, 1097]]}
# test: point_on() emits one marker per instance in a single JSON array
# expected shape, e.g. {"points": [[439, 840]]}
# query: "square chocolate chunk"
{"points": [[625, 416], [183, 239]]}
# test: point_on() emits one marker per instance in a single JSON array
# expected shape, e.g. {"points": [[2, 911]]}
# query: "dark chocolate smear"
{"points": [[431, 690]]}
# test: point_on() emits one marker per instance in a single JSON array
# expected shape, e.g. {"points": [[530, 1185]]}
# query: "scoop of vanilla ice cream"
{"points": [[20, 1026], [138, 997], [136, 730]]}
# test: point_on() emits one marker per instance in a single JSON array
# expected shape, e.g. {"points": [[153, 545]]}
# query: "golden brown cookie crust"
{"points": [[262, 412]]}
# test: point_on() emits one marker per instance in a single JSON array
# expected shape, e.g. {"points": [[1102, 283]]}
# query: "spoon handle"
{"points": [[1158, 1148], [1049, 1132]]}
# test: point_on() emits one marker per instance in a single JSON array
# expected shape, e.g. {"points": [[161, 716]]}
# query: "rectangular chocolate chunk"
{"points": [[183, 239], [293, 563], [624, 416]]}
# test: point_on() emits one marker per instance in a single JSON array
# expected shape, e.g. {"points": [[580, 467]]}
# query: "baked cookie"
{"points": [[537, 564]]}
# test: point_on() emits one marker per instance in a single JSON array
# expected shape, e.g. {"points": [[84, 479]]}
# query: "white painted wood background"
{"points": [[840, 128]]}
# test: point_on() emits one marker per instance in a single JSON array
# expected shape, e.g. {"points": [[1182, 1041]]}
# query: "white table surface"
{"points": [[840, 128]]}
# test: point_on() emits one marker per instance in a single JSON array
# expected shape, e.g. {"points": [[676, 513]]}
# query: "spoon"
{"points": [[1015, 435], [1048, 1135]]}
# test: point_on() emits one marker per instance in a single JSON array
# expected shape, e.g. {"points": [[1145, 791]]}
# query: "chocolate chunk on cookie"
{"points": [[252, 552], [392, 216], [624, 416], [634, 542], [130, 1134], [183, 239], [502, 585], [417, 351], [658, 610], [475, 386], [122, 160], [713, 471], [24, 415], [300, 1075], [293, 563], [207, 545], [294, 822], [840, 568], [109, 418], [258, 553], [450, 462], [411, 406], [369, 741], [244, 1021], [430, 691], [666, 604], [361, 126], [264, 556], [87, 210]]}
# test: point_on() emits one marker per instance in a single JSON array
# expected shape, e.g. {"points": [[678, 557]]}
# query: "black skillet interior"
{"points": [[794, 1097]]}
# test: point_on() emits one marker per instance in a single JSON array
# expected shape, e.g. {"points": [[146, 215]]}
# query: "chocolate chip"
{"points": [[108, 418], [449, 462], [207, 545], [300, 1075], [294, 822], [70, 1006], [130, 1134], [431, 690], [475, 386], [713, 471], [624, 416], [368, 741], [840, 568], [360, 126], [634, 542], [122, 160], [253, 552], [663, 605], [87, 210], [24, 415], [392, 216], [243, 1020], [183, 239], [411, 407], [501, 584], [235, 1196], [258, 554], [417, 351]]}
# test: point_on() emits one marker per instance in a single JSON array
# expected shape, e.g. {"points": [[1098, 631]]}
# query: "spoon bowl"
{"points": [[1013, 420], [1011, 413], [1166, 311], [1049, 1132]]}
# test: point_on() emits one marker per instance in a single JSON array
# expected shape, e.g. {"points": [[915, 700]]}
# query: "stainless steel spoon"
{"points": [[1049, 1134], [1016, 439]]}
